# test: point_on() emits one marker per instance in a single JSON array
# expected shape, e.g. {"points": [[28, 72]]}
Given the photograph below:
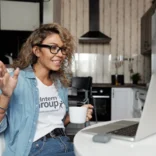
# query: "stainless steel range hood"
{"points": [[94, 35]]}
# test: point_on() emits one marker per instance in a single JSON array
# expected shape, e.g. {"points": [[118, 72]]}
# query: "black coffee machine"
{"points": [[117, 79]]}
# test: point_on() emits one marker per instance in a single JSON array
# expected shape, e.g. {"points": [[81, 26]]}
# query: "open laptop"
{"points": [[129, 129]]}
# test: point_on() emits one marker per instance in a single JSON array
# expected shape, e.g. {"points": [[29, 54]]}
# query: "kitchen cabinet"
{"points": [[17, 15], [136, 109], [146, 34], [122, 103], [139, 96]]}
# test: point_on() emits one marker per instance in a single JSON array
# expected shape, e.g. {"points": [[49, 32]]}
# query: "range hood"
{"points": [[94, 35]]}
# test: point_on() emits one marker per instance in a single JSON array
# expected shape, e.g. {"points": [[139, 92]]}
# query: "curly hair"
{"points": [[26, 57]]}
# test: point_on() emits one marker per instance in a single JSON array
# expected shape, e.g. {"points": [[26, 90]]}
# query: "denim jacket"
{"points": [[20, 123]]}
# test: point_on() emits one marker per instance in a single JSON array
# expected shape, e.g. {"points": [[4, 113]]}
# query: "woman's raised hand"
{"points": [[7, 82]]}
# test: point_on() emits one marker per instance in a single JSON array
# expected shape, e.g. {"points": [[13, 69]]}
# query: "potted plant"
{"points": [[135, 77]]}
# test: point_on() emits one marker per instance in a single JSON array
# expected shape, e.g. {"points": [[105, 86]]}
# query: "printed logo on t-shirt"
{"points": [[50, 104]]}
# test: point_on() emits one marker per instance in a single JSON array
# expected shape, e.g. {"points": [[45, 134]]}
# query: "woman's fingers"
{"points": [[1, 75], [3, 69], [89, 115], [7, 82], [89, 111], [89, 106], [16, 73]]}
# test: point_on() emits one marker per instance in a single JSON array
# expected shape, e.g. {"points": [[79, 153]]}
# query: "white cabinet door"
{"points": [[122, 103], [138, 101], [136, 110], [19, 15]]}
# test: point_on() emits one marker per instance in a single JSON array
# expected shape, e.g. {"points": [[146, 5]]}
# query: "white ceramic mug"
{"points": [[77, 114]]}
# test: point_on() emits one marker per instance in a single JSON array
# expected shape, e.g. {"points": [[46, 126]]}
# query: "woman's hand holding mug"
{"points": [[79, 115]]}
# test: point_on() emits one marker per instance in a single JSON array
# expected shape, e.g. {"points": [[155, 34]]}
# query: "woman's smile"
{"points": [[57, 62]]}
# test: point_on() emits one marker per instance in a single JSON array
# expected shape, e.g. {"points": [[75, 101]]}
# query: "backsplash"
{"points": [[119, 19]]}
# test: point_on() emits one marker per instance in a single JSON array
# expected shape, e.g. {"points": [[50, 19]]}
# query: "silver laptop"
{"points": [[133, 130]]}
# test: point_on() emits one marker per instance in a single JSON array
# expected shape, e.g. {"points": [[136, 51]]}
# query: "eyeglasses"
{"points": [[54, 49]]}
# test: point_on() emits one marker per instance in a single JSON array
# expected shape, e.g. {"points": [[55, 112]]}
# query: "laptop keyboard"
{"points": [[126, 131]]}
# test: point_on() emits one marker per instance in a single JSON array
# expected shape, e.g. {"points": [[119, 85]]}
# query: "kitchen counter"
{"points": [[141, 86]]}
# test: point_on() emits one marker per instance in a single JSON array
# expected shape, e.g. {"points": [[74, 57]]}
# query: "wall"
{"points": [[119, 19], [51, 11], [48, 11], [15, 15], [57, 11]]}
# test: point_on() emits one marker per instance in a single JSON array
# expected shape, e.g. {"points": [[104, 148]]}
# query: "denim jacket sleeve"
{"points": [[3, 123]]}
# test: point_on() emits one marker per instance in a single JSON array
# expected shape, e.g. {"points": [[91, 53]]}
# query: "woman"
{"points": [[33, 100]]}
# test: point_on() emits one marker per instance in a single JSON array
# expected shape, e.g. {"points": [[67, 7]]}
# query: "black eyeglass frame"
{"points": [[63, 49]]}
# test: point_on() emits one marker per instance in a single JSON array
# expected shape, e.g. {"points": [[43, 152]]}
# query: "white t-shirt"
{"points": [[52, 110]]}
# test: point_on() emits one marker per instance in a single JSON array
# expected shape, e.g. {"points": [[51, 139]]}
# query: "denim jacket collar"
{"points": [[29, 73]]}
